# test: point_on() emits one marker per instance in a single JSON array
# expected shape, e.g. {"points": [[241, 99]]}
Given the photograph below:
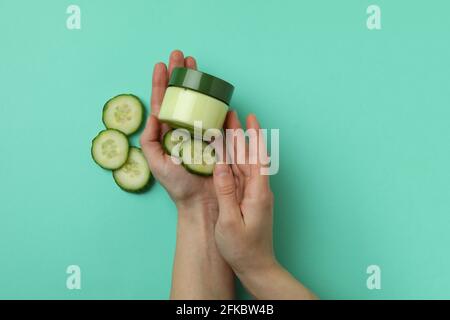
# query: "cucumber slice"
{"points": [[124, 112], [134, 175], [173, 139], [110, 149], [198, 157]]}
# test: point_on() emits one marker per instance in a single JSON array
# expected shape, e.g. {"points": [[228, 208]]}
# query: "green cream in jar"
{"points": [[194, 97]]}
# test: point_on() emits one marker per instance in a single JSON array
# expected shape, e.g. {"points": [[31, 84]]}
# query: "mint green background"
{"points": [[364, 119]]}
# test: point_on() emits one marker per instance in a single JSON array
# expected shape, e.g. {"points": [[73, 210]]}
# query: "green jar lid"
{"points": [[202, 82]]}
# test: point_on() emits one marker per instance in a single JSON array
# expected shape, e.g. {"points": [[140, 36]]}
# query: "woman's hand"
{"points": [[184, 188], [244, 228], [199, 271]]}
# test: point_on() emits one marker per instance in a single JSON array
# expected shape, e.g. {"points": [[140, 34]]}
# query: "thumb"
{"points": [[226, 193]]}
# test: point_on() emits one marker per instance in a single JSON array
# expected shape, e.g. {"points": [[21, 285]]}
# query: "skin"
{"points": [[199, 271], [224, 222], [244, 228]]}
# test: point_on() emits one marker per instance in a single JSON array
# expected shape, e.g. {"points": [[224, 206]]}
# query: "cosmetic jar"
{"points": [[195, 97]]}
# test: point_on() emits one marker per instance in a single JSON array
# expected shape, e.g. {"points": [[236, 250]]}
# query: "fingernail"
{"points": [[158, 65], [176, 53], [221, 169]]}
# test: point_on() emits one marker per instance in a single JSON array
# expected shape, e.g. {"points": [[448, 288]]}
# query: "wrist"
{"points": [[258, 271], [197, 211], [274, 282], [199, 270]]}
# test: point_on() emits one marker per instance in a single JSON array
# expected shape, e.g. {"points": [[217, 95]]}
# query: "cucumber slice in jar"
{"points": [[134, 176], [110, 149], [198, 157], [124, 112], [173, 140]]}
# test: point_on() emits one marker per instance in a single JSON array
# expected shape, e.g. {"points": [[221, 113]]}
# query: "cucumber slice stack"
{"points": [[122, 116], [196, 155]]}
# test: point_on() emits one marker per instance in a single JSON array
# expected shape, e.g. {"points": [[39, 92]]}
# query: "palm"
{"points": [[249, 183], [179, 183], [182, 184]]}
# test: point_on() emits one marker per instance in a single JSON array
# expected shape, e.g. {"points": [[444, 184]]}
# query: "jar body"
{"points": [[181, 107]]}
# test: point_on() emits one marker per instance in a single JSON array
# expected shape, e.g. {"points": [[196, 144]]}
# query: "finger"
{"points": [[190, 63], [239, 180], [164, 128], [239, 151], [159, 85], [232, 121], [253, 124], [176, 60], [229, 211], [150, 144], [260, 150], [228, 124]]}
